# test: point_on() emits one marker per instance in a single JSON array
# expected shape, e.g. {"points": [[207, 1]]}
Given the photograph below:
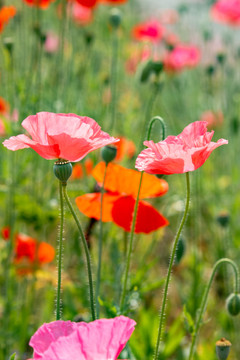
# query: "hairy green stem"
{"points": [[129, 252], [60, 253], [85, 246], [100, 246], [175, 243], [205, 297], [114, 78]]}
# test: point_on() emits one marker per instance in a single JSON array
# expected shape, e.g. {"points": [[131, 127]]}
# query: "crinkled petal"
{"points": [[101, 339], [148, 218]]}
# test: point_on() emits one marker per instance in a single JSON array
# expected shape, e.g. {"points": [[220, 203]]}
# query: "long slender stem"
{"points": [[161, 323], [205, 297], [60, 253], [122, 301], [114, 77], [85, 246], [100, 246]]}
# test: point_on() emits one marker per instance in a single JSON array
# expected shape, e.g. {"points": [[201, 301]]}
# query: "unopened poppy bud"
{"points": [[221, 57], [223, 348], [180, 250], [108, 153], [62, 170], [233, 304], [115, 18], [223, 219], [8, 43]]}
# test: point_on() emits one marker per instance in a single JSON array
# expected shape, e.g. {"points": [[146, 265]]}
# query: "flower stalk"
{"points": [[174, 248], [85, 246], [100, 246], [205, 297], [129, 251], [60, 253]]}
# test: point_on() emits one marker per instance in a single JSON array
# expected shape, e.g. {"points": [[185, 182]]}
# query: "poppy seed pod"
{"points": [[233, 304], [108, 153], [8, 44], [223, 219], [222, 349], [62, 171], [115, 18]]}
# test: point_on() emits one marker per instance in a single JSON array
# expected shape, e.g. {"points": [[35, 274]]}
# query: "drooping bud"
{"points": [[223, 348], [115, 18], [8, 44], [233, 304], [108, 153], [62, 170]]}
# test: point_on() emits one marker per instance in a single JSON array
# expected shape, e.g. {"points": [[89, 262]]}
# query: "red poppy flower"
{"points": [[179, 154], [30, 254], [180, 57], [148, 31], [6, 13], [119, 200], [82, 15], [5, 233], [227, 11], [113, 2], [60, 136], [39, 3], [88, 3]]}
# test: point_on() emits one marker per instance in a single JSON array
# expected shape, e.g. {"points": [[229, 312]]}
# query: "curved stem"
{"points": [[60, 253], [100, 246], [152, 121], [122, 301], [84, 242], [161, 323], [205, 297]]}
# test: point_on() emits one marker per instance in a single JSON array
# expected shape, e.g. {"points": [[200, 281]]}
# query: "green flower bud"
{"points": [[233, 304], [223, 219], [108, 153], [180, 250], [115, 18], [223, 348], [8, 44], [62, 170]]}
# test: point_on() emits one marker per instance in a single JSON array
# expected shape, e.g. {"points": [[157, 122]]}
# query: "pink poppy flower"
{"points": [[148, 31], [180, 57], [227, 11], [51, 44], [179, 154], [60, 136], [98, 340]]}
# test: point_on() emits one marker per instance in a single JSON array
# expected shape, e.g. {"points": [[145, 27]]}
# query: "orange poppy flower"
{"points": [[4, 106], [30, 254], [43, 4], [79, 169], [125, 147], [119, 200], [6, 13]]}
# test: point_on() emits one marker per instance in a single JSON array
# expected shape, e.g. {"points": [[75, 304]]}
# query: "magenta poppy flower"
{"points": [[179, 154], [227, 11], [60, 136], [180, 57], [98, 340]]}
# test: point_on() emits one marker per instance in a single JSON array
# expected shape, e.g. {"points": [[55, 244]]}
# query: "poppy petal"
{"points": [[45, 253], [90, 204], [148, 218], [126, 181]]}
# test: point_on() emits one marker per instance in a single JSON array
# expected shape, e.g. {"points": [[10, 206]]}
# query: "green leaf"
{"points": [[188, 321], [12, 357]]}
